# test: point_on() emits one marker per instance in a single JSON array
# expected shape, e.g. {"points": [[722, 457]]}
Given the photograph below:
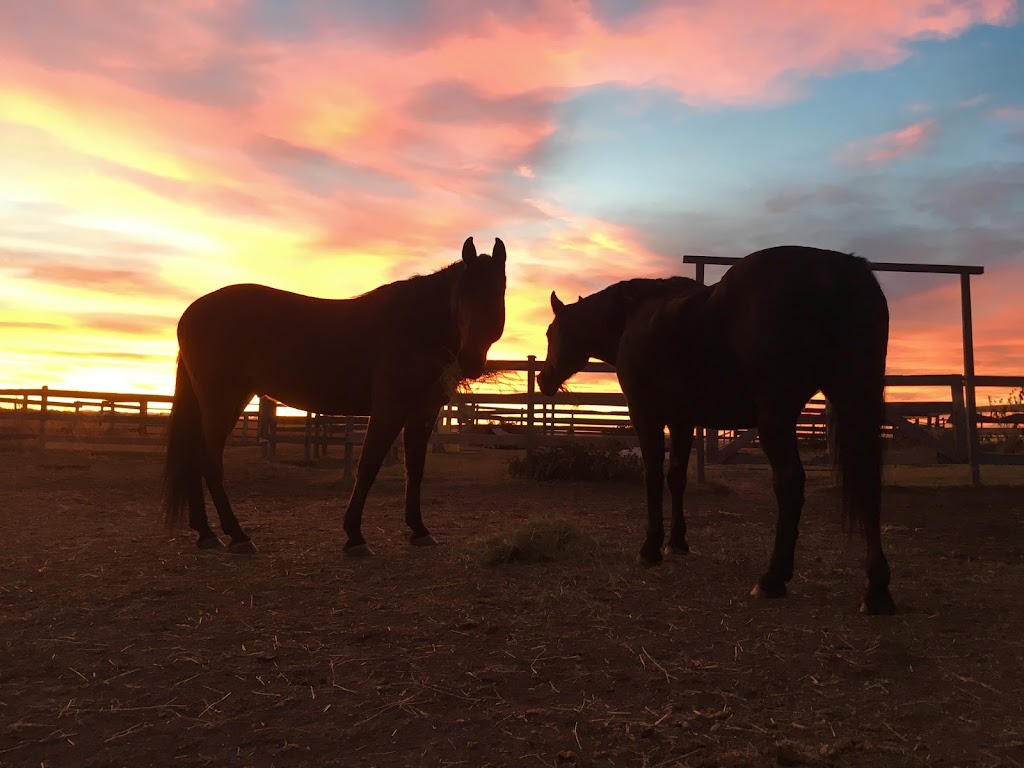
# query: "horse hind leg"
{"points": [[779, 443], [218, 423], [857, 422], [197, 519]]}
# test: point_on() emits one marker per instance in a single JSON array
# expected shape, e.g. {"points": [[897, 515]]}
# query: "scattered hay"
{"points": [[579, 462], [536, 541]]}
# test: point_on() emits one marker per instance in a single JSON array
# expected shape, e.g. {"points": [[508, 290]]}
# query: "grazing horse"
{"points": [[395, 353], [750, 351]]}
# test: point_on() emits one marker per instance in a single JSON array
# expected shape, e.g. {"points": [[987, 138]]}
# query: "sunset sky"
{"points": [[152, 152]]}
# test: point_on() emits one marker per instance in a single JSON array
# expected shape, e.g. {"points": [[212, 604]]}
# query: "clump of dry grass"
{"points": [[535, 541], [579, 462]]}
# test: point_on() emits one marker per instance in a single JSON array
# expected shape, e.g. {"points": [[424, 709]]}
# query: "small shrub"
{"points": [[578, 462]]}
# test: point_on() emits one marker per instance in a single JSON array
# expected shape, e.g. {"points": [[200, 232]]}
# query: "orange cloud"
{"points": [[926, 332]]}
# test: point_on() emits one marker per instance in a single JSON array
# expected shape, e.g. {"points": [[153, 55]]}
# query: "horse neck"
{"points": [[605, 318], [609, 310], [428, 302]]}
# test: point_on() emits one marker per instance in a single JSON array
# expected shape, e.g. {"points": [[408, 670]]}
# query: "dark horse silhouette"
{"points": [[395, 353], [782, 324]]}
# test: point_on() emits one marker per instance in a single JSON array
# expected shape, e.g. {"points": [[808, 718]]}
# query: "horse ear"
{"points": [[469, 251], [556, 304], [499, 250], [578, 297]]}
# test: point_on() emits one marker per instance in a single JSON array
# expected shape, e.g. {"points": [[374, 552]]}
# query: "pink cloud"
{"points": [[887, 147], [123, 281], [1011, 113], [430, 117]]}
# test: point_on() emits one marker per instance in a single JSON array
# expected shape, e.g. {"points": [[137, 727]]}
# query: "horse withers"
{"points": [[394, 353], [750, 351]]}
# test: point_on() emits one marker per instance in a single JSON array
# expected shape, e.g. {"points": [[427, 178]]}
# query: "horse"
{"points": [[395, 353], [749, 351]]}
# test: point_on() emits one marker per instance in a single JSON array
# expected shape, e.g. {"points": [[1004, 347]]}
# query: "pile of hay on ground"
{"points": [[536, 541], [579, 462]]}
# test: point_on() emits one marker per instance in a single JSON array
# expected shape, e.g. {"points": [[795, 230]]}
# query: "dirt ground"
{"points": [[121, 646]]}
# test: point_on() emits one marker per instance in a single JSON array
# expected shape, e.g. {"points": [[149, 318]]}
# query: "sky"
{"points": [[153, 152]]}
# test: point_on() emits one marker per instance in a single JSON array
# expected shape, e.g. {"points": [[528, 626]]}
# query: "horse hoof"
{"points": [[673, 550], [208, 543], [878, 605], [769, 594], [423, 541], [359, 550], [242, 548]]}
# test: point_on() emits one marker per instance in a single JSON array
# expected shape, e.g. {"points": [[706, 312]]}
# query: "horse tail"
{"points": [[857, 398], [182, 470]]}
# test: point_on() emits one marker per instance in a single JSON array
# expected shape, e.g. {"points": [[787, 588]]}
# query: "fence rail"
{"points": [[517, 419]]}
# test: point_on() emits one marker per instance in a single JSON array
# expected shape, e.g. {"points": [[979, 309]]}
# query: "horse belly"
{"points": [[725, 405], [319, 387]]}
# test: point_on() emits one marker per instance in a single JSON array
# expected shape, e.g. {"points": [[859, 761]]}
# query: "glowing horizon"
{"points": [[151, 155]]}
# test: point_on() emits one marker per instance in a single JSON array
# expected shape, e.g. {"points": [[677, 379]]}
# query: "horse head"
{"points": [[478, 303], [568, 351]]}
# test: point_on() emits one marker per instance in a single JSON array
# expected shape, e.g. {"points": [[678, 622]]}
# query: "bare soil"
{"points": [[122, 646]]}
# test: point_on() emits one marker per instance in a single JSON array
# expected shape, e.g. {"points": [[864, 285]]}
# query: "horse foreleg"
{"points": [[415, 438], [779, 443], [381, 432], [679, 457], [651, 433]]}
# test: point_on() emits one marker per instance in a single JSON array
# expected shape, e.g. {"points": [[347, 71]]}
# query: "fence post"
{"points": [[829, 447], [272, 428], [143, 415], [958, 416], [307, 438], [702, 437], [972, 406], [349, 422], [262, 427], [43, 397], [531, 394]]}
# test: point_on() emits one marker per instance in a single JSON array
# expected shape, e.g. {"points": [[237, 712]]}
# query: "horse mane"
{"points": [[629, 294], [443, 277]]}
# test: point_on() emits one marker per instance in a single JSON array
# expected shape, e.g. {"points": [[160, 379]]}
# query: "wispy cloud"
{"points": [[975, 101], [1009, 112], [127, 324], [887, 147]]}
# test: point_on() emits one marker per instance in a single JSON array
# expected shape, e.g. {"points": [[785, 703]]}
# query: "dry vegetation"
{"points": [[528, 638]]}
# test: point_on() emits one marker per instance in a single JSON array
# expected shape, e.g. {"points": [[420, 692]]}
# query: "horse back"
{"points": [[308, 352], [798, 298]]}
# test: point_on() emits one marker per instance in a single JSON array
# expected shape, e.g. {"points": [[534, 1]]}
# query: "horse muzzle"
{"points": [[546, 383], [472, 365]]}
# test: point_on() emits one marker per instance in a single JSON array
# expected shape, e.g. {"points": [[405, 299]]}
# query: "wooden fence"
{"points": [[513, 419]]}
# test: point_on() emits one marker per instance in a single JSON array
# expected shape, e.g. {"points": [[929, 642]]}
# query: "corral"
{"points": [[122, 646]]}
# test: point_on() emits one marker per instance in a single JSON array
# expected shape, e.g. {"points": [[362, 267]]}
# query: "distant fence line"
{"points": [[498, 419]]}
